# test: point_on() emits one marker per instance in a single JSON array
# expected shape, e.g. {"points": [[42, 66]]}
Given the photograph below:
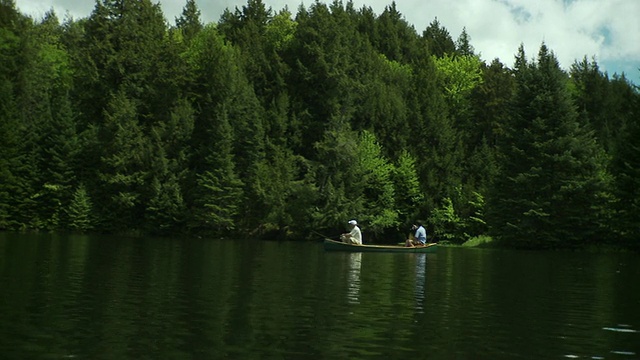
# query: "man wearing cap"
{"points": [[354, 236]]}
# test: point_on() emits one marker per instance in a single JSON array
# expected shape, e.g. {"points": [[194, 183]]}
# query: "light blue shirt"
{"points": [[421, 235]]}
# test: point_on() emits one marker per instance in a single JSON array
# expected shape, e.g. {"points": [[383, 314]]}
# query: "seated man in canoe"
{"points": [[354, 236], [419, 238]]}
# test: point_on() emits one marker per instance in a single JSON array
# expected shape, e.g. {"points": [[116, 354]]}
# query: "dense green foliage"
{"points": [[269, 124]]}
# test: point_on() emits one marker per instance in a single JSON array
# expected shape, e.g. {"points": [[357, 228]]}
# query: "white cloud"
{"points": [[572, 29]]}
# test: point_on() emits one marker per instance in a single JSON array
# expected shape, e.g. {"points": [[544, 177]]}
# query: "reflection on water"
{"points": [[420, 272], [353, 278], [621, 328], [112, 298]]}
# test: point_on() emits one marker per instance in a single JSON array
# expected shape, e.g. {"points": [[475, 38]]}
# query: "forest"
{"points": [[277, 125]]}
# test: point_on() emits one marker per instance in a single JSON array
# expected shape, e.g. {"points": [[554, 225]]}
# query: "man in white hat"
{"points": [[354, 236]]}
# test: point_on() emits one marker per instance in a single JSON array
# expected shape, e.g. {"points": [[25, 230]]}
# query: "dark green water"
{"points": [[83, 297]]}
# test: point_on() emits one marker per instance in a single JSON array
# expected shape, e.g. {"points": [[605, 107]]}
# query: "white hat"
{"points": [[353, 222]]}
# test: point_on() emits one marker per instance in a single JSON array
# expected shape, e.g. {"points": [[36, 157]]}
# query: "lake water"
{"points": [[106, 297]]}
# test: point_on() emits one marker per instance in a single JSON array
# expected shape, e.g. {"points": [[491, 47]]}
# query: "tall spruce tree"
{"points": [[215, 194], [189, 21], [325, 81], [218, 187], [58, 142], [339, 180], [385, 103], [80, 211], [490, 108], [393, 36], [166, 210], [376, 173], [626, 167], [124, 167], [10, 124], [591, 93], [40, 95], [409, 197], [554, 186], [439, 39], [246, 28], [463, 44], [439, 153]]}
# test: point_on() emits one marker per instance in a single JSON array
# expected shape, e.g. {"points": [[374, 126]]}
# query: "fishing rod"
{"points": [[325, 236]]}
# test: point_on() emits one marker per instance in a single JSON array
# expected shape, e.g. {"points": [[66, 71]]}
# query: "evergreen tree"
{"points": [[42, 83], [124, 167], [553, 189], [394, 37], [189, 22], [439, 39], [491, 101], [80, 211], [166, 210], [275, 188], [626, 167], [247, 30], [125, 50], [219, 189], [463, 44], [340, 186], [215, 191], [385, 105], [326, 76], [10, 124], [438, 148], [58, 143], [379, 211], [490, 110], [408, 195], [591, 93]]}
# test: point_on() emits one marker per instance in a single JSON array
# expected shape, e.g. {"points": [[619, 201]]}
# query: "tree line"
{"points": [[268, 124]]}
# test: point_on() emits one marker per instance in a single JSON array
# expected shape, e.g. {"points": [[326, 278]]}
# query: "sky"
{"points": [[605, 30]]}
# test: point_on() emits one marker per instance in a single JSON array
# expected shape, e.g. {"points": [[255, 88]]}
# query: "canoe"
{"points": [[332, 245]]}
